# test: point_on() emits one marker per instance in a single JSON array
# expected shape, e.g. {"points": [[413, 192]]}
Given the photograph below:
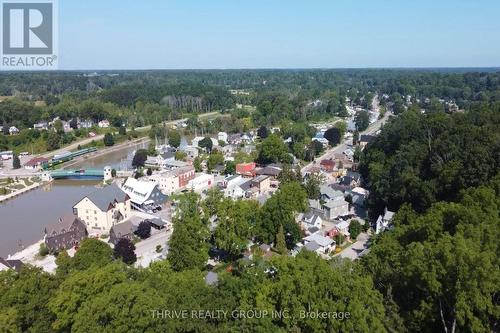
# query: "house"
{"points": [[312, 219], [66, 233], [121, 230], [327, 165], [335, 208], [144, 195], [328, 193], [234, 139], [85, 123], [43, 125], [232, 188], [246, 169], [222, 136], [102, 209], [13, 130], [35, 163], [173, 180], [319, 244], [201, 182], [103, 123], [191, 151], [384, 221], [6, 264], [262, 183], [270, 170], [359, 196], [343, 228]]}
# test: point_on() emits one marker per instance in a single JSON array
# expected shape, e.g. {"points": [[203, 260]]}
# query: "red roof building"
{"points": [[246, 169], [35, 163], [327, 165]]}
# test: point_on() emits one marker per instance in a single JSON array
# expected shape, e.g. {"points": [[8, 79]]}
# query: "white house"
{"points": [[343, 228], [144, 195], [13, 130], [319, 244], [201, 182], [222, 136], [384, 221], [103, 123], [232, 186], [173, 180], [102, 209], [311, 219]]}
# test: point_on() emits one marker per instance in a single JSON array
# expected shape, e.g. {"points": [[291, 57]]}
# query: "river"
{"points": [[23, 219]]}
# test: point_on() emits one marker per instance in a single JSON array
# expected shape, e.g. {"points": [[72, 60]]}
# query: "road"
{"points": [[330, 153], [146, 250]]}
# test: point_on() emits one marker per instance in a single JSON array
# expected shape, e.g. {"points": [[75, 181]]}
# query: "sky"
{"points": [[220, 34]]}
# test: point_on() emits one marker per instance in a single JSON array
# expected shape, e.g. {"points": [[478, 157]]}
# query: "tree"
{"points": [[125, 250], [92, 252], [206, 143], [113, 173], [355, 229], [188, 247], [53, 140], [180, 155], [140, 157], [262, 132], [108, 140], [236, 220], [149, 171], [279, 210], [280, 241], [174, 138], [122, 130], [73, 123], [230, 168], [16, 163], [362, 120], [355, 137], [273, 150], [312, 186], [333, 135], [197, 164], [215, 158], [143, 230], [58, 126]]}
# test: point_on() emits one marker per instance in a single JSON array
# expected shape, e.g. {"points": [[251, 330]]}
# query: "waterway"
{"points": [[23, 219]]}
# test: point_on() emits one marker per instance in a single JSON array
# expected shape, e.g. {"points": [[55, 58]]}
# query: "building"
{"points": [[103, 123], [335, 208], [102, 209], [232, 186], [270, 170], [41, 126], [66, 233], [343, 228], [319, 244], [312, 219], [13, 130], [328, 193], [174, 180], [262, 183], [246, 169], [327, 165], [222, 136], [384, 221], [124, 229], [144, 195], [35, 163], [201, 182], [365, 139], [6, 264]]}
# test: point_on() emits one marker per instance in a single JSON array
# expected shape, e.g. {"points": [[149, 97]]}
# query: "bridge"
{"points": [[78, 174]]}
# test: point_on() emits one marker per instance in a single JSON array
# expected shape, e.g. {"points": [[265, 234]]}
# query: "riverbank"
{"points": [[16, 188]]}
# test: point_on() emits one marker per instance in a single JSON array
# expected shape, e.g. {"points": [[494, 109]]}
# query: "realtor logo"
{"points": [[29, 35]]}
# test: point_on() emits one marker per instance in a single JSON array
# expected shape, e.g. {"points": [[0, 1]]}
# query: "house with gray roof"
{"points": [[103, 208], [66, 233], [121, 230]]}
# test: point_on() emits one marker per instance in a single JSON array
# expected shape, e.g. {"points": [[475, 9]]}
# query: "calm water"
{"points": [[120, 159], [23, 219]]}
